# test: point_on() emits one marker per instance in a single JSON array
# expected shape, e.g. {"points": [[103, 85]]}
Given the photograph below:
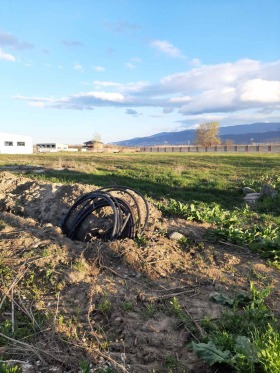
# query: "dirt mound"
{"points": [[110, 304]]}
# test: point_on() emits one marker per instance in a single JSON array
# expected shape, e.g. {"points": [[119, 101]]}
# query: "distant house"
{"points": [[94, 146], [51, 147], [15, 144]]}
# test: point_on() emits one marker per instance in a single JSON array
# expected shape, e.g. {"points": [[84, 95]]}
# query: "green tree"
{"points": [[206, 134]]}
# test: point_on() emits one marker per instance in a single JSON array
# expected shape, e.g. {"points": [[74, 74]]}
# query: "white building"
{"points": [[51, 147], [15, 144]]}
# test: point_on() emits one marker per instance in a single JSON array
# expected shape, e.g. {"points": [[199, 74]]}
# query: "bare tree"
{"points": [[228, 142], [96, 138], [206, 134]]}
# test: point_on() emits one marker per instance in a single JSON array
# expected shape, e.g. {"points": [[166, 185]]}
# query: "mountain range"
{"points": [[239, 134]]}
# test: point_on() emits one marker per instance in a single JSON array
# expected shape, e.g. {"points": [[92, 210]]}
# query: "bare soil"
{"points": [[109, 303]]}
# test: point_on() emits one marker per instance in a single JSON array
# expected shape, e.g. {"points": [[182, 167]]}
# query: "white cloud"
{"points": [[130, 65], [104, 96], [181, 99], [259, 90], [226, 88], [124, 88], [133, 62], [196, 62], [99, 68], [6, 56], [78, 67], [167, 48], [210, 77]]}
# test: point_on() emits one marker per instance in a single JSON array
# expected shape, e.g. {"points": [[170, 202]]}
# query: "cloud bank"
{"points": [[245, 86]]}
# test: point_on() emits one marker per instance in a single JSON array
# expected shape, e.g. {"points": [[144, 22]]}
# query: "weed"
{"points": [[151, 309], [108, 370], [140, 240], [170, 361], [78, 266], [243, 340], [268, 350], [85, 367], [127, 306], [229, 225], [105, 307], [176, 309], [5, 368]]}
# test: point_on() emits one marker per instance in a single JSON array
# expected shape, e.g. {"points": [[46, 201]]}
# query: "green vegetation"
{"points": [[241, 226], [5, 368], [201, 187], [185, 177], [246, 340]]}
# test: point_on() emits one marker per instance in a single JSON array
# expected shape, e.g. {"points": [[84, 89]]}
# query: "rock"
{"points": [[176, 236], [251, 198], [247, 190], [38, 171], [48, 225], [27, 368], [58, 230], [55, 370], [268, 190]]}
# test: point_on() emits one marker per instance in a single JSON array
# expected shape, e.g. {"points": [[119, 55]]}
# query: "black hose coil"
{"points": [[126, 218]]}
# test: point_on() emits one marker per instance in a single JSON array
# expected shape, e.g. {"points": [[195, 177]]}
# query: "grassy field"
{"points": [[200, 188], [207, 178]]}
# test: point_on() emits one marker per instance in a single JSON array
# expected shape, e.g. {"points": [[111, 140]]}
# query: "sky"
{"points": [[121, 69]]}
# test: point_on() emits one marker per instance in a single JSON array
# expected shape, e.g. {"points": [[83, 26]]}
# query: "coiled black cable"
{"points": [[126, 218]]}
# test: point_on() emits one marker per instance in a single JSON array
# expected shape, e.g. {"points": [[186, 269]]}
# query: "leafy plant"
{"points": [[210, 353], [85, 367], [127, 306], [5, 368], [176, 309], [151, 309], [243, 340], [104, 307]]}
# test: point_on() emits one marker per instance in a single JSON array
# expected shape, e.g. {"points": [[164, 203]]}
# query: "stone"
{"points": [[48, 225], [268, 191], [251, 198], [176, 236], [247, 190]]}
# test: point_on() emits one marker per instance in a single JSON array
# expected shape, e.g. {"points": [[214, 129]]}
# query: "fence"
{"points": [[269, 148]]}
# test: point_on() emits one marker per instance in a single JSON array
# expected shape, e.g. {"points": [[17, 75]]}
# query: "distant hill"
{"points": [[246, 138], [239, 134]]}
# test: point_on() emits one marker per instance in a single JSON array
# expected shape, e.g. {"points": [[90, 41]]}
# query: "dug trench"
{"points": [[109, 306]]}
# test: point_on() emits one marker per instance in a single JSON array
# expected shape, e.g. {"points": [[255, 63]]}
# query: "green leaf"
{"points": [[210, 353], [222, 299], [243, 345]]}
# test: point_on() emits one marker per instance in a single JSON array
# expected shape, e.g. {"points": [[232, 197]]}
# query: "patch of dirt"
{"points": [[109, 303]]}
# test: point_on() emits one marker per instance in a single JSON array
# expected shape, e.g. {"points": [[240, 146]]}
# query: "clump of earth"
{"points": [[110, 303]]}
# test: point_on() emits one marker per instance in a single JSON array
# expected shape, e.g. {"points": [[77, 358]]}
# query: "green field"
{"points": [[201, 187], [206, 178]]}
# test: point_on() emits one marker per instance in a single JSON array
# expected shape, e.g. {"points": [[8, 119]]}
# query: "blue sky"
{"points": [[132, 68]]}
